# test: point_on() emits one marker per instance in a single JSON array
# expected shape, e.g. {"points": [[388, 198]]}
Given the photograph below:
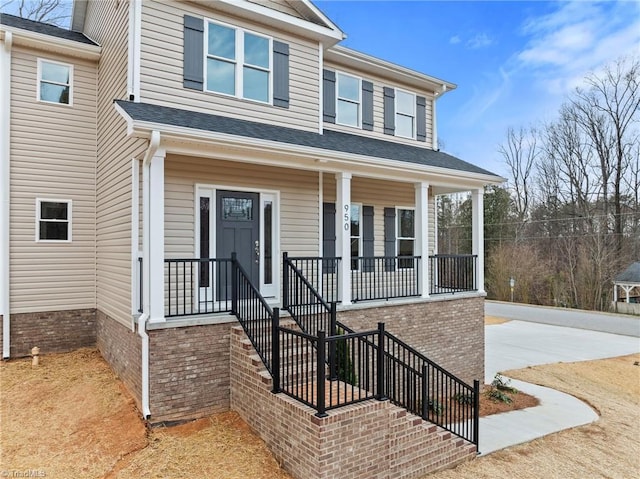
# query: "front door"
{"points": [[238, 230]]}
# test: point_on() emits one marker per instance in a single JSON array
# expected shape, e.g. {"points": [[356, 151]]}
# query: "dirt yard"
{"points": [[71, 418]]}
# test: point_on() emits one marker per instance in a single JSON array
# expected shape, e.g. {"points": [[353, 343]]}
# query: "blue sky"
{"points": [[514, 62]]}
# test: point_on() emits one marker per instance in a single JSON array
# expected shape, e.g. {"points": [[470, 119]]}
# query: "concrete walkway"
{"points": [[574, 318], [518, 344]]}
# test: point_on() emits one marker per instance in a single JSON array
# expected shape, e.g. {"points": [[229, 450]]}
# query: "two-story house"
{"points": [[170, 169]]}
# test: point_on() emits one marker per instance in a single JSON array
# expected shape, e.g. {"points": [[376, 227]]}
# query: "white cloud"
{"points": [[480, 40], [577, 38], [455, 40]]}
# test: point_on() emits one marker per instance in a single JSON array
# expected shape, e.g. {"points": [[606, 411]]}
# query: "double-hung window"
{"points": [[348, 100], [406, 236], [53, 220], [54, 82], [405, 114], [238, 63]]}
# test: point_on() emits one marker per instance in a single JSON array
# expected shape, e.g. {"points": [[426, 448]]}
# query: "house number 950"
{"points": [[347, 220]]}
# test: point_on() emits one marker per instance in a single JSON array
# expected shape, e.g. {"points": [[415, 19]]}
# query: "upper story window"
{"points": [[53, 220], [55, 82], [238, 62], [348, 100], [405, 114]]}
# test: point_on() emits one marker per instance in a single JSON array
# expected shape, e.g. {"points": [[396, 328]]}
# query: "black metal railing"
{"points": [[321, 273], [197, 286], [450, 273], [306, 305], [307, 374], [384, 277], [254, 315], [416, 383]]}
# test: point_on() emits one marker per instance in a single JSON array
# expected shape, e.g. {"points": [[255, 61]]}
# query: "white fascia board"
{"points": [[62, 46], [362, 61], [328, 36], [326, 160]]}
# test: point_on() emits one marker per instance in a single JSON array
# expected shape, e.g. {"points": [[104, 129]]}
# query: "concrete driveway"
{"points": [[518, 344]]}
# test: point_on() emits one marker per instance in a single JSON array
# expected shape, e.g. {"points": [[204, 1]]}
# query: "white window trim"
{"points": [[39, 80], [69, 220], [398, 237], [338, 99], [238, 61], [396, 113]]}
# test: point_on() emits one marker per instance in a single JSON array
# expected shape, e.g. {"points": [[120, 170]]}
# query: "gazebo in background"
{"points": [[629, 282]]}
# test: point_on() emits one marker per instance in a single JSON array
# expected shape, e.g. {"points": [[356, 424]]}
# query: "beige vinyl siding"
{"points": [[378, 108], [53, 157], [280, 6], [161, 70], [381, 194], [298, 200], [107, 24]]}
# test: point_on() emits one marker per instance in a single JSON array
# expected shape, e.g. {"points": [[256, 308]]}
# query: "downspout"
{"points": [[154, 143], [5, 156]]}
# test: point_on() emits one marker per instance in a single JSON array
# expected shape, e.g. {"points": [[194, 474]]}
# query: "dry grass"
{"points": [[608, 448], [70, 418], [490, 320]]}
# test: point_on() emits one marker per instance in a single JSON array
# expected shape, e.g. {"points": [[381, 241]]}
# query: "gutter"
{"points": [[154, 143], [5, 184]]}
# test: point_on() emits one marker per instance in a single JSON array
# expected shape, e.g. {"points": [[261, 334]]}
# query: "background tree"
{"points": [[56, 12]]}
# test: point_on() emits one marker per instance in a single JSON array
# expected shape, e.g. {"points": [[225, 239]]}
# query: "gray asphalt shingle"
{"points": [[44, 28], [330, 140]]}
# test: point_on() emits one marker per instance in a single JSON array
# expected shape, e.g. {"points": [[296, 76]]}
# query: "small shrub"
{"points": [[501, 384], [435, 407], [499, 396]]}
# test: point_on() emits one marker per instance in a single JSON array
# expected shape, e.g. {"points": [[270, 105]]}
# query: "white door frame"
{"points": [[271, 290]]}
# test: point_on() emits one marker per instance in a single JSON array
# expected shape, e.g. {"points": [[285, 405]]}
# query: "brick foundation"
{"points": [[450, 332], [122, 349], [189, 371], [52, 331], [369, 440]]}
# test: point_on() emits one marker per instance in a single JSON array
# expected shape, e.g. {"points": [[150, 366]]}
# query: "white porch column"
{"points": [[153, 236], [343, 233], [477, 207], [422, 235]]}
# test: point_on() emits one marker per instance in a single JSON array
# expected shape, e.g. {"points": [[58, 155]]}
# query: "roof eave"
{"points": [[362, 61], [330, 159], [41, 41]]}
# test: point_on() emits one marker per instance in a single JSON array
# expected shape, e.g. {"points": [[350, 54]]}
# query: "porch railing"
{"points": [[197, 286], [451, 273], [384, 277], [321, 273]]}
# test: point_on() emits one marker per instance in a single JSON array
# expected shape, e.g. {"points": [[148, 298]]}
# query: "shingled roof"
{"points": [[329, 140], [629, 275], [43, 28]]}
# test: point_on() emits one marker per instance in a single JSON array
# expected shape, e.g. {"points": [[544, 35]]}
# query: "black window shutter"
{"points": [[367, 105], [389, 111], [389, 238], [367, 238], [280, 74], [193, 58], [328, 236], [421, 118], [329, 96]]}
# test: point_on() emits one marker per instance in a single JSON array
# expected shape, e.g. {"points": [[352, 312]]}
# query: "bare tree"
{"points": [[520, 153], [607, 111], [55, 12]]}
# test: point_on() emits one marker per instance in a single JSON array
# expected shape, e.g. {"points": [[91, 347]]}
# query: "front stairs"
{"points": [[367, 440]]}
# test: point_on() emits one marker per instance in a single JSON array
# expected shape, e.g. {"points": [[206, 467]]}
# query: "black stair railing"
{"points": [[255, 316]]}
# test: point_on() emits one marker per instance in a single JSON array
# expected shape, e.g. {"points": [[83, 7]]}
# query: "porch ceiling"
{"points": [[143, 117]]}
